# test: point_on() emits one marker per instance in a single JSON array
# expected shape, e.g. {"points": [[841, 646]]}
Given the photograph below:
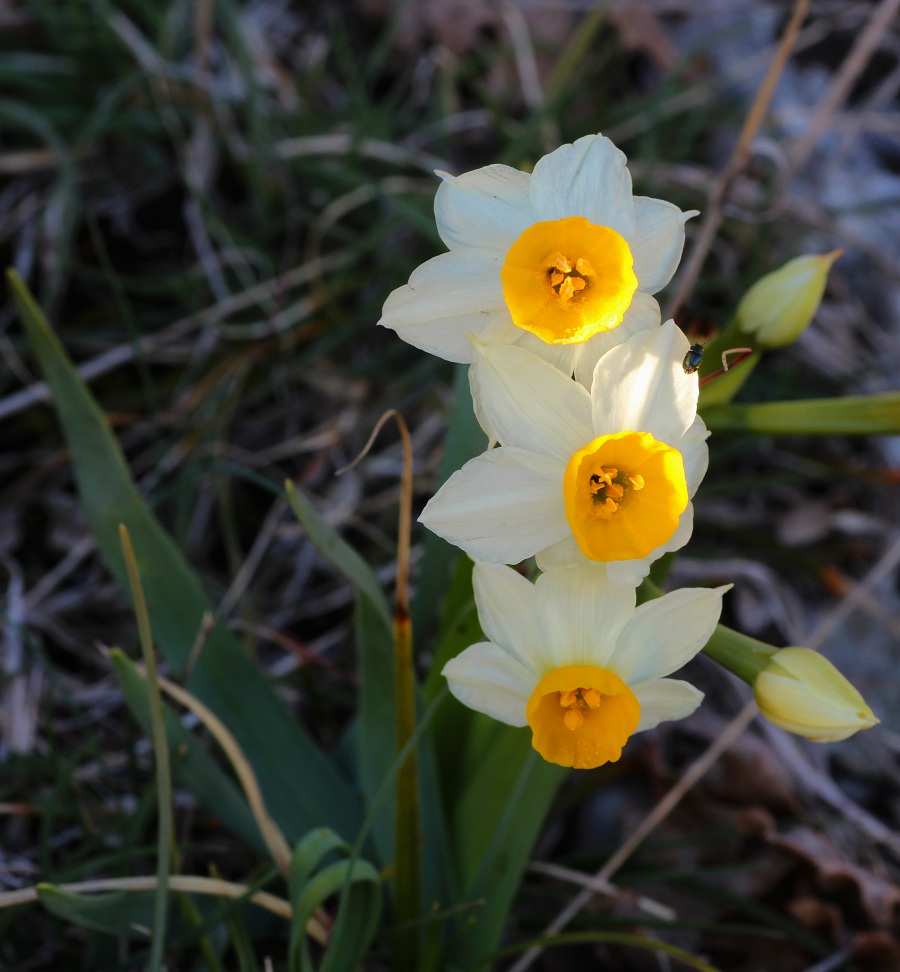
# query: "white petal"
{"points": [[565, 553], [642, 315], [506, 609], [658, 241], [695, 454], [487, 679], [530, 404], [447, 298], [561, 356], [488, 208], [666, 633], [480, 415], [587, 178], [501, 507], [582, 614], [629, 573], [641, 386], [665, 699]]}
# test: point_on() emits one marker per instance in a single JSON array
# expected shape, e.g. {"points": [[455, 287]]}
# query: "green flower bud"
{"points": [[802, 692], [777, 308]]}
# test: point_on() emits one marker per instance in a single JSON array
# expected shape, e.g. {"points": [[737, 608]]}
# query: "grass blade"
{"points": [[160, 754], [224, 677]]}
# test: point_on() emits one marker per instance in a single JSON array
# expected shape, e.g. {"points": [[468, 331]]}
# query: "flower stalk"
{"points": [[407, 833]]}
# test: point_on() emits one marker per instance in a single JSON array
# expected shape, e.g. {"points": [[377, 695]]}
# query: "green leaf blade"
{"points": [[224, 677]]}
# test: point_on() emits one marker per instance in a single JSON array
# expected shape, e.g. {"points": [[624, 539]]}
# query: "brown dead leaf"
{"points": [[750, 773], [877, 951], [879, 897], [819, 916]]}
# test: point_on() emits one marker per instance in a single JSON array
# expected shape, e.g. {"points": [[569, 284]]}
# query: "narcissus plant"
{"points": [[563, 260], [604, 477], [572, 658]]}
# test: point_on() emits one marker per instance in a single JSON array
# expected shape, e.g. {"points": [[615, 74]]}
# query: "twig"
{"points": [[253, 558], [713, 217], [857, 595], [849, 71], [655, 908], [123, 353]]}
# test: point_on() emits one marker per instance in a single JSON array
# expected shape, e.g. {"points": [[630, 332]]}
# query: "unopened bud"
{"points": [[777, 308], [802, 692]]}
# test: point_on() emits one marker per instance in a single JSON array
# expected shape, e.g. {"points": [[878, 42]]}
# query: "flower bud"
{"points": [[802, 692], [777, 308]]}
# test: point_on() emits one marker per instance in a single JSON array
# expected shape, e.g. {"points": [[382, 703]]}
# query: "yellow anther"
{"points": [[609, 506], [637, 481], [573, 719], [567, 699], [561, 263], [584, 267], [614, 491], [592, 697], [567, 288]]}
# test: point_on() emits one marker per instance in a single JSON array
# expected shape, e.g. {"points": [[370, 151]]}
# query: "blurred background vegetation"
{"points": [[211, 201]]}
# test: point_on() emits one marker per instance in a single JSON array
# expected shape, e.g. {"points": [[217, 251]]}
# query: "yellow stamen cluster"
{"points": [[567, 278], [605, 481], [573, 701]]}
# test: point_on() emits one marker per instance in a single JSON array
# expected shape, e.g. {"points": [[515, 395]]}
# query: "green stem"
{"points": [[853, 415]]}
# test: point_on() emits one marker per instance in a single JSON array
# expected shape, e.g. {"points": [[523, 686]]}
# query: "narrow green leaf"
{"points": [[459, 625], [375, 731], [192, 764], [377, 725], [497, 789], [165, 829], [115, 913], [241, 943], [327, 541], [495, 826], [312, 881], [853, 415], [611, 938], [302, 788]]}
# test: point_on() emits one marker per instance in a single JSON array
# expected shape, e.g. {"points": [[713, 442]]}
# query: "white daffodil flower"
{"points": [[573, 658], [563, 261], [605, 476]]}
